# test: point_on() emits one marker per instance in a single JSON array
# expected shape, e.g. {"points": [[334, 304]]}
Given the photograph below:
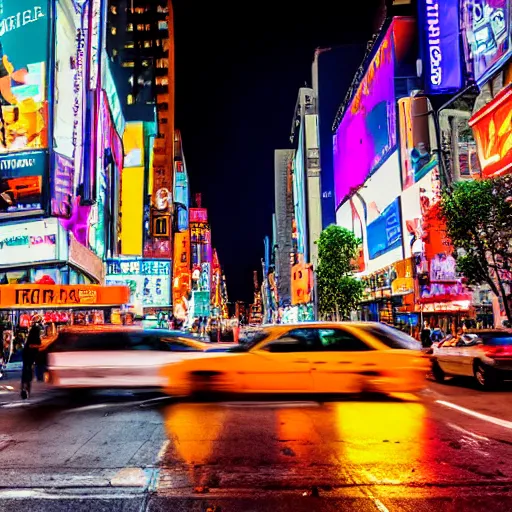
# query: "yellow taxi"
{"points": [[312, 357]]}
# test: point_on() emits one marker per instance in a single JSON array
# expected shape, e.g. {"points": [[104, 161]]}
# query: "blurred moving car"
{"points": [[308, 357], [485, 355], [117, 356]]}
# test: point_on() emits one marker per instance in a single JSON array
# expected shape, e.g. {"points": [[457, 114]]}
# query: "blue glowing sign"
{"points": [[439, 22]]}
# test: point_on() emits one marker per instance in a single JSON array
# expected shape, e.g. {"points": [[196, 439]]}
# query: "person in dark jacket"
{"points": [[30, 356]]}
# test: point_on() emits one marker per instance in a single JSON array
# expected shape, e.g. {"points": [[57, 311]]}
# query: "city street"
{"points": [[449, 448]]}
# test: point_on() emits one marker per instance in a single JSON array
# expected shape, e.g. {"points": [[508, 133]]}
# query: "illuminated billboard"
{"points": [[439, 26], [417, 157], [149, 281], [299, 196], [492, 127], [23, 105], [486, 31], [21, 182], [367, 132], [24, 74]]}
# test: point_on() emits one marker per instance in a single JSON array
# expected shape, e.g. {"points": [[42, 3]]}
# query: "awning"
{"points": [[37, 296]]}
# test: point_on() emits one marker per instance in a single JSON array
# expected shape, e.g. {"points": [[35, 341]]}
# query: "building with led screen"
{"points": [[386, 146], [61, 151]]}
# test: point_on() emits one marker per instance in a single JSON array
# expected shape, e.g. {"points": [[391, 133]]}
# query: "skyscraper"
{"points": [[141, 48]]}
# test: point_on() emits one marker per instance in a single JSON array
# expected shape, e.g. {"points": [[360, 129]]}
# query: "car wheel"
{"points": [[437, 372], [485, 376]]}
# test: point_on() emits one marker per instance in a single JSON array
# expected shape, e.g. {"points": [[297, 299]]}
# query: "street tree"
{"points": [[478, 217], [339, 292]]}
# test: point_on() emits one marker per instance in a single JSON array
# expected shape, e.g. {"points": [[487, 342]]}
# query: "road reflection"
{"points": [[339, 442]]}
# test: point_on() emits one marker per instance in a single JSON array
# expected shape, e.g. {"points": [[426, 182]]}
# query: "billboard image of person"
{"points": [[23, 104]]}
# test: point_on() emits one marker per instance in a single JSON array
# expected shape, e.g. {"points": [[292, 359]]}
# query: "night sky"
{"points": [[237, 78]]}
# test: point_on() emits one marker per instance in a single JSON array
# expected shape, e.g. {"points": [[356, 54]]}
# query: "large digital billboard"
{"points": [[487, 36], [492, 127], [367, 132], [149, 281], [23, 104], [299, 196]]}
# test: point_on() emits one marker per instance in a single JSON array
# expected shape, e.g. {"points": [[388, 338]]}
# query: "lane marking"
{"points": [[380, 506], [469, 433], [484, 417], [162, 451], [18, 494]]}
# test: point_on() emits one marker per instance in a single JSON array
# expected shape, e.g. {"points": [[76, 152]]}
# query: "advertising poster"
{"points": [[24, 74], [62, 186], [416, 156], [367, 132], [21, 182], [486, 33], [23, 104], [492, 128], [64, 78], [29, 242], [385, 233], [149, 281], [181, 271], [299, 196]]}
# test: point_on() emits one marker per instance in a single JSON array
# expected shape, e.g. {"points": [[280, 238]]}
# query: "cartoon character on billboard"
{"points": [[21, 120]]}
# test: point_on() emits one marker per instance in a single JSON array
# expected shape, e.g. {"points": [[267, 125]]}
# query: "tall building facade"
{"points": [[141, 49]]}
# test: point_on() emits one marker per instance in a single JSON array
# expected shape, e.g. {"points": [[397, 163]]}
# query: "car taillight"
{"points": [[499, 351]]}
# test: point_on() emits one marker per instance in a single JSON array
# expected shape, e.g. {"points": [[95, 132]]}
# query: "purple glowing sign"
{"points": [[367, 132], [62, 186]]}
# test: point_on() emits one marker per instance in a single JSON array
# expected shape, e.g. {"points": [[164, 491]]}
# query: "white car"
{"points": [[118, 356], [485, 355]]}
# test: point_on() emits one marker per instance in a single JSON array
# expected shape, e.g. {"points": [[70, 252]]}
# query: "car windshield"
{"points": [[497, 340], [391, 337], [249, 340]]}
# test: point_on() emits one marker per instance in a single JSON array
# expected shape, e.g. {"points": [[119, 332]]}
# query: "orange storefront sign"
{"points": [[33, 296], [492, 127]]}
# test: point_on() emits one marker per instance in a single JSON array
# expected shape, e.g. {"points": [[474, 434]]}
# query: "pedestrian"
{"points": [[29, 356], [426, 342]]}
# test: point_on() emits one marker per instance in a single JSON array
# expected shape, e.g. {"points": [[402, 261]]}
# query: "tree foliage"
{"points": [[338, 291], [478, 218]]}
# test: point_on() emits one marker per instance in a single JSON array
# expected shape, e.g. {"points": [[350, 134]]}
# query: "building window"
{"points": [[129, 44], [162, 63], [129, 27], [145, 63], [114, 52], [148, 26], [157, 42], [162, 80], [165, 45], [140, 27], [148, 44], [113, 31], [128, 64], [139, 10], [162, 25], [129, 99], [163, 9], [113, 9]]}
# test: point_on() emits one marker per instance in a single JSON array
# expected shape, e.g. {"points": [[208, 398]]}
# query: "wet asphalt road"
{"points": [[448, 448]]}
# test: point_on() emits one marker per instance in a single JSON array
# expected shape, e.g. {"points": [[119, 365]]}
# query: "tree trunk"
{"points": [[337, 313]]}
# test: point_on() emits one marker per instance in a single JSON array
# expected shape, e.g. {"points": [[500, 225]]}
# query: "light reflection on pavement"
{"points": [[357, 453]]}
